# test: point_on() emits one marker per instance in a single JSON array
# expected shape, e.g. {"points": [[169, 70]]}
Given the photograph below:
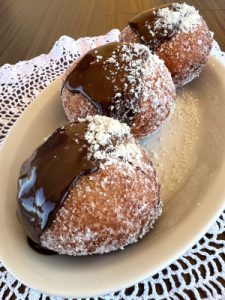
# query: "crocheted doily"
{"points": [[198, 274]]}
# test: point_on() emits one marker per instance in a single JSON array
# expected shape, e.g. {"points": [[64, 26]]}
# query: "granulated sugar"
{"points": [[173, 148]]}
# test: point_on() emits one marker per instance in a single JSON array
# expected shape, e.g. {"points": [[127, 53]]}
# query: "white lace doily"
{"points": [[199, 274]]}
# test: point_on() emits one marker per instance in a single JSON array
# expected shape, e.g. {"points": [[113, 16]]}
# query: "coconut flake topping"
{"points": [[183, 16], [110, 142]]}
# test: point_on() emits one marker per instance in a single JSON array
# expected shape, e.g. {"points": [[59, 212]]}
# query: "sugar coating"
{"points": [[150, 84], [187, 53], [112, 207], [179, 145], [157, 99]]}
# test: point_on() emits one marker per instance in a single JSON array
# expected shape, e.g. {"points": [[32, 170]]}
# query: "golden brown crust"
{"points": [[105, 211], [154, 110], [184, 55], [75, 105], [127, 35]]}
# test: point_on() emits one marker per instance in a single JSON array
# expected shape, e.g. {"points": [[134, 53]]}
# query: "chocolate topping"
{"points": [[47, 177], [157, 25], [144, 25], [110, 77], [38, 248]]}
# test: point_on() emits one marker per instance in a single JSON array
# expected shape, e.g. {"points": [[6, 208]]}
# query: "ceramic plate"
{"points": [[188, 152]]}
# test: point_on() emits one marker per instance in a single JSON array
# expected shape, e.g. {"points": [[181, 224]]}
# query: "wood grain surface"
{"points": [[29, 27]]}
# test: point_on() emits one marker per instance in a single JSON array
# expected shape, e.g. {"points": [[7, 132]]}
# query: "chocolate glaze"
{"points": [[144, 23], [98, 80], [38, 248], [47, 177]]}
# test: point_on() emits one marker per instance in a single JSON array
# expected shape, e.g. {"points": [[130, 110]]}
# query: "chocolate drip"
{"points": [[103, 78], [144, 25], [47, 177]]}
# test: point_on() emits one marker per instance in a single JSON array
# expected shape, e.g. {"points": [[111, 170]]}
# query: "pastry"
{"points": [[177, 34], [88, 189], [123, 81]]}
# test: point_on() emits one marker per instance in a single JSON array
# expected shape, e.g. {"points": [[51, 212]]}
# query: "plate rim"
{"points": [[127, 282]]}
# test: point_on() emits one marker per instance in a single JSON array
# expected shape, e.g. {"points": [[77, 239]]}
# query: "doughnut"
{"points": [[89, 188], [177, 34], [122, 81]]}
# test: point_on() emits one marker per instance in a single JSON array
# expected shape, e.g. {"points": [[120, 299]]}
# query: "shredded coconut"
{"points": [[110, 142], [181, 16], [129, 60]]}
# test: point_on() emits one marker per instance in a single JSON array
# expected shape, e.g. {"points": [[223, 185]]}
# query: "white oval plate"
{"points": [[189, 154]]}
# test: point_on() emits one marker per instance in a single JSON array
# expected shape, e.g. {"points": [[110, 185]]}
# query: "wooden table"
{"points": [[29, 27]]}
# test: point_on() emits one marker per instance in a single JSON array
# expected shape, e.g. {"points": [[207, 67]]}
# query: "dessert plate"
{"points": [[189, 155]]}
